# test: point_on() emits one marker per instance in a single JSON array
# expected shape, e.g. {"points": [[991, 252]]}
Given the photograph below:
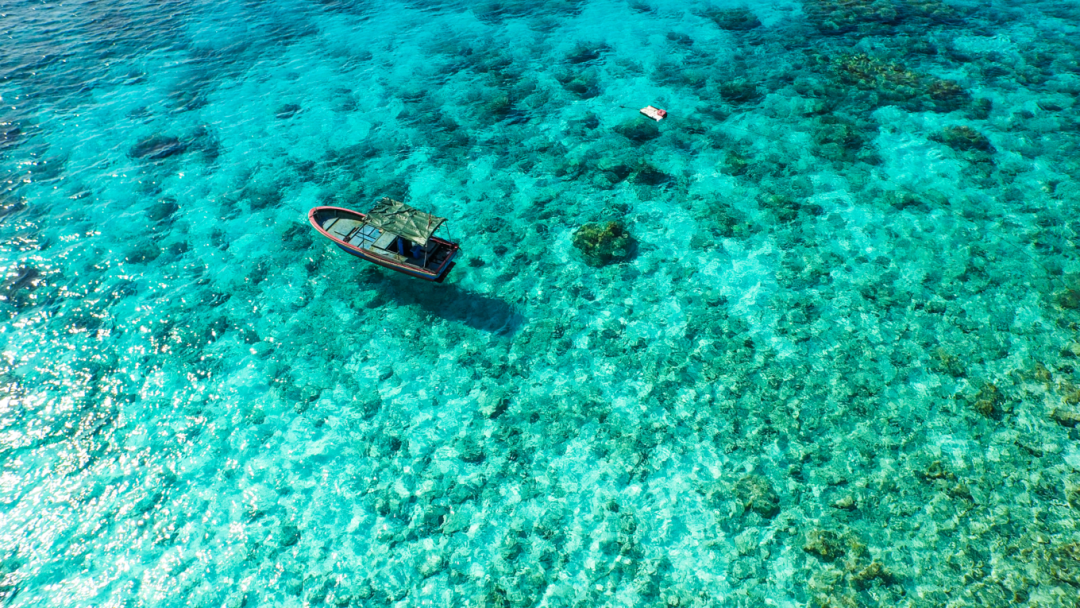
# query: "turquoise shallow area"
{"points": [[838, 367]]}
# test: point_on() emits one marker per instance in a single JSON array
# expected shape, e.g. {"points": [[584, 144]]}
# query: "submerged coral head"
{"points": [[602, 244]]}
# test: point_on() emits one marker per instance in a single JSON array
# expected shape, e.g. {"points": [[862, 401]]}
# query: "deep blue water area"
{"points": [[811, 340]]}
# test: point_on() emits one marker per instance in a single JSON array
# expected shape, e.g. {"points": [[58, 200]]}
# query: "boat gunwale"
{"points": [[386, 262]]}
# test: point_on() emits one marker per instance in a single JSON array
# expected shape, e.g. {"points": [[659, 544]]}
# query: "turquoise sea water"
{"points": [[838, 368]]}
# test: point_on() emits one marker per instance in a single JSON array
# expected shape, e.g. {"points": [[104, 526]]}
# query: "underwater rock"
{"points": [[44, 169], [936, 307], [178, 248], [157, 147], [733, 163], [901, 201], [614, 170], [649, 175], [10, 133], [471, 451], [287, 111], [1066, 418], [833, 17], [989, 401], [288, 536], [162, 209], [189, 96], [144, 253], [824, 544], [727, 223], [431, 565], [205, 141], [1052, 105], [872, 73], [1068, 299], [10, 206], [1072, 494], [864, 578], [585, 85], [679, 38], [639, 131], [24, 278], [588, 121], [935, 470], [735, 19], [846, 502], [758, 495], [499, 107], [602, 244], [740, 90], [787, 208], [1063, 563], [315, 590], [934, 10], [947, 95], [261, 195], [963, 139], [297, 237], [695, 78], [139, 112], [890, 82], [511, 547], [463, 492], [431, 519], [583, 53], [459, 520], [948, 363]]}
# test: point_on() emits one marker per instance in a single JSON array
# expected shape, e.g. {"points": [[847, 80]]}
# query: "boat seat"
{"points": [[343, 229], [364, 237], [385, 240]]}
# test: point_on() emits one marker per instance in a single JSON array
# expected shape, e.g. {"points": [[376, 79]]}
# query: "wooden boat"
{"points": [[392, 235]]}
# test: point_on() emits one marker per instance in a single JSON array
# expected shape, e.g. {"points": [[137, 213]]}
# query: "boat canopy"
{"points": [[393, 216]]}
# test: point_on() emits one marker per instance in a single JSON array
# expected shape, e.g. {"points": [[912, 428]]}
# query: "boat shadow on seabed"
{"points": [[449, 302]]}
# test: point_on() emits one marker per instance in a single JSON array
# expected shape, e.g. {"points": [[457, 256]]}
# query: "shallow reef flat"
{"points": [[811, 340]]}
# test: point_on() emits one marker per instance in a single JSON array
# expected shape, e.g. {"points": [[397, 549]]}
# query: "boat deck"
{"points": [[352, 231], [359, 234]]}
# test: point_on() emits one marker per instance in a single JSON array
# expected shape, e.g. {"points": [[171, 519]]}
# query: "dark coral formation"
{"points": [[841, 139], [947, 95], [602, 244], [1063, 563], [586, 53], [638, 130], [739, 90], [892, 82], [964, 139], [20, 282], [585, 84], [157, 147], [869, 72], [758, 495], [735, 19], [824, 544], [287, 111], [834, 17]]}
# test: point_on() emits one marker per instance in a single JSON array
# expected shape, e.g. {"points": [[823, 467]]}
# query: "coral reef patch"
{"points": [[605, 243]]}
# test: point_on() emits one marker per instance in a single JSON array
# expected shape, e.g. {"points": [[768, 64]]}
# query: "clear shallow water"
{"points": [[838, 370]]}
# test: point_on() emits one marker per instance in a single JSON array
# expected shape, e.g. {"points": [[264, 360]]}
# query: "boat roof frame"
{"points": [[398, 218]]}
